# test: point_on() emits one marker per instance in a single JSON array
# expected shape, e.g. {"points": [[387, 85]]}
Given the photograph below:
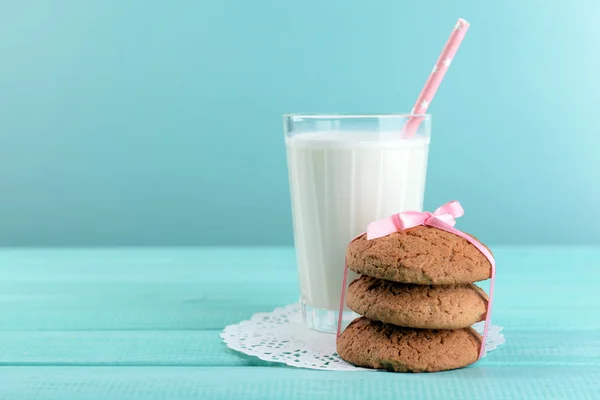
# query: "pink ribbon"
{"points": [[443, 218], [446, 214]]}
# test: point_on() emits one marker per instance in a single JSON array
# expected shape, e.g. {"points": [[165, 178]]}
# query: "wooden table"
{"points": [[145, 324]]}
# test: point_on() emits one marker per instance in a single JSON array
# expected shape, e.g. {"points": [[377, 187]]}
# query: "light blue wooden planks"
{"points": [[205, 348], [196, 289], [79, 305], [141, 289], [265, 383], [144, 323], [119, 348]]}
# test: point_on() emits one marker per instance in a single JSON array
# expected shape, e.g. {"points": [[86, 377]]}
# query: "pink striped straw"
{"points": [[434, 80]]}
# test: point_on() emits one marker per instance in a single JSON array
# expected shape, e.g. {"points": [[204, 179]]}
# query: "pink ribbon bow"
{"points": [[443, 218], [446, 215]]}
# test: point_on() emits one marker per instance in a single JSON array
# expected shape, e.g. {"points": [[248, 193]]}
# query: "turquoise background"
{"points": [[159, 122]]}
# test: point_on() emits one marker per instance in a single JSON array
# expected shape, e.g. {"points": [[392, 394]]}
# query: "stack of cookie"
{"points": [[417, 300]]}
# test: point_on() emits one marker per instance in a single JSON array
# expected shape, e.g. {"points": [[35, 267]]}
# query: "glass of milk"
{"points": [[346, 171]]}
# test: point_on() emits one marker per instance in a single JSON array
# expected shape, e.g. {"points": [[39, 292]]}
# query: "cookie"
{"points": [[377, 345], [417, 306], [422, 255]]}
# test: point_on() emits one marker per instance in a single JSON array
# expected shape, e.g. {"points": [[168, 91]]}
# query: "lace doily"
{"points": [[281, 336]]}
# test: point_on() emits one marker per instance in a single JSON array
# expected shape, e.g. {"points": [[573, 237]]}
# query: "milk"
{"points": [[340, 181]]}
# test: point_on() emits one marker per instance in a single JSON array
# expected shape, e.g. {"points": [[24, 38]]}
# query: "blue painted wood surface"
{"points": [[145, 323]]}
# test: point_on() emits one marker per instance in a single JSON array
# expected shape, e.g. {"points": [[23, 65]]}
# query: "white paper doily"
{"points": [[281, 336]]}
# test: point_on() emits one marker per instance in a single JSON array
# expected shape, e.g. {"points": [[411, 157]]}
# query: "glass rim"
{"points": [[352, 115]]}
